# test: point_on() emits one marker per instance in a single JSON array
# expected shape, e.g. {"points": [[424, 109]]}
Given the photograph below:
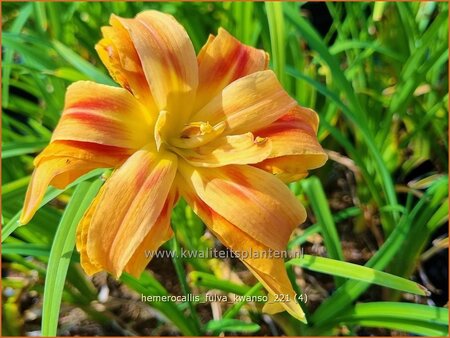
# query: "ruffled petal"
{"points": [[233, 149], [254, 201], [247, 104], [61, 163], [105, 115], [295, 148], [82, 231], [256, 256], [222, 60], [118, 54], [130, 205], [168, 60], [159, 233]]}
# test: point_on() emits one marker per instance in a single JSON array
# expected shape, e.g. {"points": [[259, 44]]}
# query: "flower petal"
{"points": [[222, 60], [168, 60], [159, 233], [295, 148], [61, 163], [269, 271], [271, 211], [131, 204], [82, 231], [247, 104], [118, 54], [233, 149], [104, 115]]}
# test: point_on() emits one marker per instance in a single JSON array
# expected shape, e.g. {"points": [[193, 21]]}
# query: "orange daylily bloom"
{"points": [[217, 129]]}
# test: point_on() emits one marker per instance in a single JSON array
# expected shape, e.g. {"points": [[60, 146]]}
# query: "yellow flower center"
{"points": [[192, 135]]}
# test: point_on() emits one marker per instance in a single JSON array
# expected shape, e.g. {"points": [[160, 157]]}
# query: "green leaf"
{"points": [[407, 317], [417, 312], [231, 325], [356, 113], [12, 319], [9, 53], [344, 45], [277, 38], [319, 203], [406, 325], [36, 55], [234, 310], [11, 149], [388, 185], [61, 253], [210, 281], [299, 240], [378, 10], [82, 65], [25, 249], [178, 264], [147, 285], [387, 253], [51, 193], [357, 272]]}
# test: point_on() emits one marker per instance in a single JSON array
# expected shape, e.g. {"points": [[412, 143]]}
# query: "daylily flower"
{"points": [[217, 129]]}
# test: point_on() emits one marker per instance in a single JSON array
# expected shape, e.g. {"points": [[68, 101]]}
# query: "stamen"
{"points": [[195, 129], [260, 140], [196, 134]]}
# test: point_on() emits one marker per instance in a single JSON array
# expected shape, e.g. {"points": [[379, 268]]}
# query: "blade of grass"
{"points": [[417, 312], [407, 317], [356, 114], [277, 38], [55, 19], [40, 16], [412, 318], [11, 149], [406, 325], [344, 45], [299, 240], [434, 214], [210, 281], [61, 252], [184, 285], [316, 196], [12, 319], [26, 249], [36, 56], [148, 286], [378, 10], [51, 193], [16, 27], [357, 272], [316, 43], [234, 310], [82, 65], [351, 290], [13, 189], [415, 69], [388, 185], [231, 325]]}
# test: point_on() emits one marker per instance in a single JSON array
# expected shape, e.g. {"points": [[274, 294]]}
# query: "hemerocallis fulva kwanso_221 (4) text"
{"points": [[216, 129]]}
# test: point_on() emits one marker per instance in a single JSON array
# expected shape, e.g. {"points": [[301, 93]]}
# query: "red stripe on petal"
{"points": [[89, 104], [104, 149], [242, 62], [88, 118]]}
